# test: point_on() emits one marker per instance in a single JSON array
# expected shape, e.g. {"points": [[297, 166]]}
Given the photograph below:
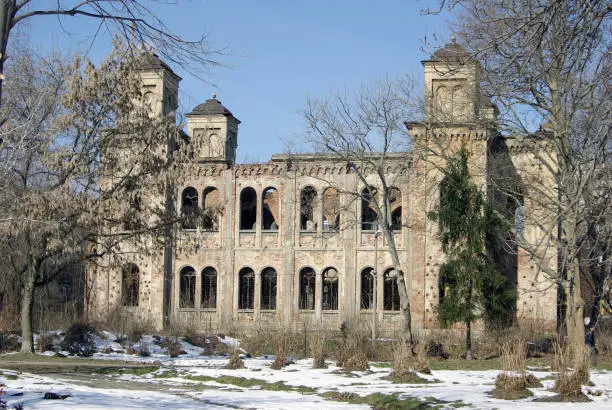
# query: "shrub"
{"points": [[173, 346], [280, 359], [46, 342], [513, 381], [436, 349], [9, 342], [317, 350], [143, 349], [235, 362], [79, 340], [356, 347], [569, 382]]}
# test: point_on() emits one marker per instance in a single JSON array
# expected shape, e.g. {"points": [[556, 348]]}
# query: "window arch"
{"points": [[268, 289], [369, 220], [269, 209], [367, 288], [391, 299], [248, 209], [208, 298], [130, 285], [187, 279], [329, 291], [189, 208], [307, 289], [395, 205], [246, 288], [331, 209], [211, 209], [308, 203]]}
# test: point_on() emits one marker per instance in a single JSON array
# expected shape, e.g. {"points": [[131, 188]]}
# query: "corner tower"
{"points": [[160, 85], [214, 132]]}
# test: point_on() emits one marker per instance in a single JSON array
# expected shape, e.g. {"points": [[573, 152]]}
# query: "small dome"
{"points": [[151, 61], [211, 107], [450, 52]]}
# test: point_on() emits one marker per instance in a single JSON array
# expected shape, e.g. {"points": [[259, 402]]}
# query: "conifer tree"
{"points": [[468, 276]]}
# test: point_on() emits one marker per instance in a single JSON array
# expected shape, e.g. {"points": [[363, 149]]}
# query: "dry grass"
{"points": [[281, 345], [355, 348], [573, 370], [513, 382], [235, 362]]}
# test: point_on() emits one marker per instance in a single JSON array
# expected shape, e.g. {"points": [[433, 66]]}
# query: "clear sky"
{"points": [[279, 54]]}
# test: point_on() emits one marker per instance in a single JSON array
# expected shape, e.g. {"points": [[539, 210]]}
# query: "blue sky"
{"points": [[279, 54]]}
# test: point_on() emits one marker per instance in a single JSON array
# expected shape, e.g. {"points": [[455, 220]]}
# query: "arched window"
{"points": [[367, 288], [369, 221], [246, 288], [130, 284], [329, 291], [268, 289], [189, 208], [211, 209], [187, 287], [395, 204], [269, 209], [248, 209], [209, 288], [331, 209], [308, 203], [307, 289], [391, 299]]}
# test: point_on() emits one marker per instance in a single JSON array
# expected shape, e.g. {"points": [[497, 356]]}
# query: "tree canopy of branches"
{"points": [[469, 284], [131, 19], [364, 130], [548, 61], [71, 133]]}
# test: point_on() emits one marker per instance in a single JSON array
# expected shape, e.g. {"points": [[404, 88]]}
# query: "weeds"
{"points": [[316, 346], [235, 361], [569, 381], [513, 382]]}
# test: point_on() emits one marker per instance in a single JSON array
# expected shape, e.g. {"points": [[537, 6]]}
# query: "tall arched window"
{"points": [[268, 289], [329, 291], [248, 209], [209, 288], [331, 209], [269, 209], [367, 288], [187, 287], [369, 221], [391, 299], [308, 203], [130, 284], [395, 203], [307, 289], [189, 208], [246, 288], [211, 209]]}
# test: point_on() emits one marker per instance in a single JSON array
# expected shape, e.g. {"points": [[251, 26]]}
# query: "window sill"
{"points": [[187, 309], [208, 309]]}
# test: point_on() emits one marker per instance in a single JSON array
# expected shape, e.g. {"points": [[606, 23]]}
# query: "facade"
{"points": [[282, 244]]}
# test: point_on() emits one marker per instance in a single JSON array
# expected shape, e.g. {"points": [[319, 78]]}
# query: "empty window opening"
{"points": [[187, 288], [307, 289], [130, 283], [246, 288], [395, 205], [331, 209], [369, 221], [391, 299], [308, 203], [367, 288], [268, 289], [329, 291], [269, 209], [209, 288], [248, 209], [211, 209], [133, 213], [189, 208]]}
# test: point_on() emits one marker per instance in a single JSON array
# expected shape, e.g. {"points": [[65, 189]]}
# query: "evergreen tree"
{"points": [[468, 282]]}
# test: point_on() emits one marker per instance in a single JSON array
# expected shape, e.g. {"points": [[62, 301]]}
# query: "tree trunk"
{"points": [[401, 288], [574, 316], [27, 303], [468, 340], [7, 8]]}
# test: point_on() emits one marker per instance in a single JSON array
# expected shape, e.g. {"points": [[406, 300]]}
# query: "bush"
{"points": [[317, 350], [235, 362], [356, 347], [79, 340], [435, 349], [569, 382], [513, 381], [9, 342], [173, 346], [46, 342]]}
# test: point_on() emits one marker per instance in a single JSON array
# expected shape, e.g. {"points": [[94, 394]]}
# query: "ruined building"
{"points": [[278, 243]]}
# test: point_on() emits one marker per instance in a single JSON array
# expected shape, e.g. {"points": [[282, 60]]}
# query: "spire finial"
{"points": [[214, 96], [453, 39]]}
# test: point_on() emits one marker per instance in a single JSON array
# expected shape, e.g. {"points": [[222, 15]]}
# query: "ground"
{"points": [[190, 381]]}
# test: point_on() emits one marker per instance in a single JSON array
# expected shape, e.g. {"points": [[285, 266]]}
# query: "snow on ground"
{"points": [[192, 381]]}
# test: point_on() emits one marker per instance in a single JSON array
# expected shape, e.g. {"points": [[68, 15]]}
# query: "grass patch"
{"points": [[167, 374], [252, 383], [381, 401], [9, 376], [382, 365], [408, 378], [137, 371]]}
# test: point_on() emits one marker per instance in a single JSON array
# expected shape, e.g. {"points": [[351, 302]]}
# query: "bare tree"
{"points": [[364, 131], [548, 61], [82, 143], [131, 19]]}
